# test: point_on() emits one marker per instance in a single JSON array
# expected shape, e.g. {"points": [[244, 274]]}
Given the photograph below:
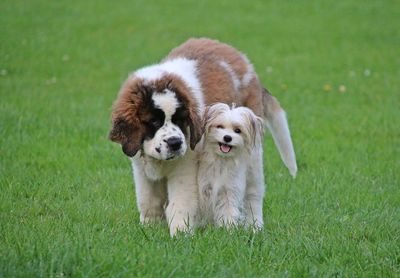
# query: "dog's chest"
{"points": [[155, 170], [215, 174]]}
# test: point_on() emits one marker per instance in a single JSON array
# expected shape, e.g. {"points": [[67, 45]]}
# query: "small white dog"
{"points": [[230, 176]]}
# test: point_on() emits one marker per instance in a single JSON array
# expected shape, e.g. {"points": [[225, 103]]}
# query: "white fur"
{"points": [[231, 185], [231, 72], [182, 67], [167, 189], [249, 75], [167, 102], [165, 179]]}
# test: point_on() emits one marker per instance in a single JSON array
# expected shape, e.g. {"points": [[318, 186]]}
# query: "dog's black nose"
{"points": [[227, 138], [174, 143]]}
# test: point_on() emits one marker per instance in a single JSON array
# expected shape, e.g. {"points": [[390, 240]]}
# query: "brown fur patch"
{"points": [[216, 82], [130, 112]]}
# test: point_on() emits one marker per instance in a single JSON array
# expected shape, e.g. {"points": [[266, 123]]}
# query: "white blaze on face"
{"points": [[184, 68], [158, 147], [167, 102]]}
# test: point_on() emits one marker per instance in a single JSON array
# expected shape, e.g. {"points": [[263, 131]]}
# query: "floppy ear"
{"points": [[206, 122], [126, 135], [127, 129], [195, 127], [256, 129], [210, 114]]}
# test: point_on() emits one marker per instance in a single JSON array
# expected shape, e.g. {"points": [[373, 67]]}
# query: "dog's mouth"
{"points": [[224, 148]]}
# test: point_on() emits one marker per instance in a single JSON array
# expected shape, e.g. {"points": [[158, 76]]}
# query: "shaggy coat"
{"points": [[230, 177]]}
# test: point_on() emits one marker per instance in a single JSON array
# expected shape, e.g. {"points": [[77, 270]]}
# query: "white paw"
{"points": [[255, 224], [180, 226], [151, 217], [227, 221]]}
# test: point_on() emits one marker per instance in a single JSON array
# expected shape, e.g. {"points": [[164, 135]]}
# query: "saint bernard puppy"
{"points": [[157, 119]]}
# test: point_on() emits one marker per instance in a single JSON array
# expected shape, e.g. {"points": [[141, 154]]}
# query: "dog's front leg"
{"points": [[228, 204], [253, 206], [182, 210], [151, 196]]}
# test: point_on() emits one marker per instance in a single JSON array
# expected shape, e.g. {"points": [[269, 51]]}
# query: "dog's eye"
{"points": [[154, 122], [220, 126], [237, 130]]}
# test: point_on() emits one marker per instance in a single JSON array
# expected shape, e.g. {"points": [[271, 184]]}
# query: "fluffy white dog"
{"points": [[230, 176]]}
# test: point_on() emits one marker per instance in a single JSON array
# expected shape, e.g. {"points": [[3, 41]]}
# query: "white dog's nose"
{"points": [[174, 143], [227, 138]]}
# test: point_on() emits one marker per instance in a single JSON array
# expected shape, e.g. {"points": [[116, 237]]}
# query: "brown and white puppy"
{"points": [[158, 114]]}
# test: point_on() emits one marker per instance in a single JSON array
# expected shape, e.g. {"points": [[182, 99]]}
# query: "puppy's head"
{"points": [[156, 117], [231, 131]]}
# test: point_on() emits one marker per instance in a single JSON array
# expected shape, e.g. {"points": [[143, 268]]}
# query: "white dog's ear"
{"points": [[211, 113], [205, 121], [255, 126], [259, 128]]}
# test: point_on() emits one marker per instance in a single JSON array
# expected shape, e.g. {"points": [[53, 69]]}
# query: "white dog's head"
{"points": [[230, 131]]}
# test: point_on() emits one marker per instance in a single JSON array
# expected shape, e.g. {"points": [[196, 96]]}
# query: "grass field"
{"points": [[67, 204]]}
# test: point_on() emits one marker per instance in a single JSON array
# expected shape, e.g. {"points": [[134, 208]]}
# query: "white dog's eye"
{"points": [[220, 126], [237, 130]]}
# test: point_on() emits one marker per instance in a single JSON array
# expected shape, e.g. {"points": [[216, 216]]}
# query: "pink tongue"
{"points": [[225, 148]]}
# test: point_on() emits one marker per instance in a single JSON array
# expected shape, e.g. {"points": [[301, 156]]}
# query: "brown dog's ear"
{"points": [[130, 148], [127, 128], [117, 133], [195, 126], [126, 135]]}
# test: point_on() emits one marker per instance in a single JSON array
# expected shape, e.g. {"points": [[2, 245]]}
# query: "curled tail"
{"points": [[275, 119]]}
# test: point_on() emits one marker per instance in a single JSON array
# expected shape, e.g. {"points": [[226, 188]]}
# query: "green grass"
{"points": [[67, 204]]}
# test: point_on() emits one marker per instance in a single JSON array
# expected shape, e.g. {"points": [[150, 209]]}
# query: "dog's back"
{"points": [[226, 74]]}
